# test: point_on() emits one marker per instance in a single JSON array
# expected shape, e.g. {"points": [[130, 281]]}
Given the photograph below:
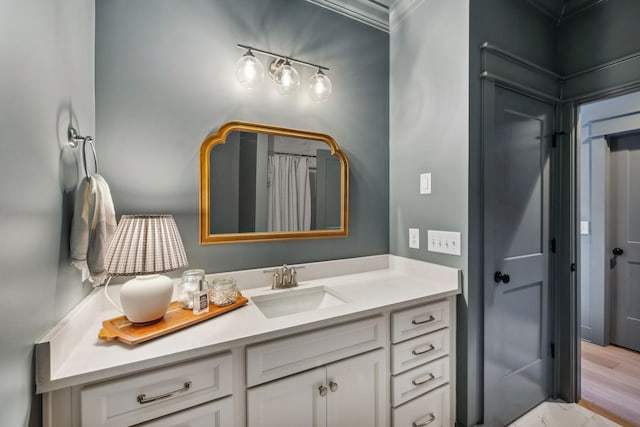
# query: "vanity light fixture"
{"points": [[249, 72]]}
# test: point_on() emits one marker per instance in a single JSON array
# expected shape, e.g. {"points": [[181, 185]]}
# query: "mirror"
{"points": [[261, 182]]}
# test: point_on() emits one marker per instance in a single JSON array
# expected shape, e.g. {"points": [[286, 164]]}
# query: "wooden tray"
{"points": [[120, 328]]}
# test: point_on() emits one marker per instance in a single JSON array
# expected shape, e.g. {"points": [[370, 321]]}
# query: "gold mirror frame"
{"points": [[207, 238]]}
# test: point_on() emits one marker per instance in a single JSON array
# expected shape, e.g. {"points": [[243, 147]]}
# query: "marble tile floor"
{"points": [[560, 414]]}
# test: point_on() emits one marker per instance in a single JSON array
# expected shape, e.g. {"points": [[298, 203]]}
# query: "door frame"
{"points": [[488, 131], [570, 361], [600, 128]]}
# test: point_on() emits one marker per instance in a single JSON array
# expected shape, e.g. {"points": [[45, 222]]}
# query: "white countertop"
{"points": [[71, 353]]}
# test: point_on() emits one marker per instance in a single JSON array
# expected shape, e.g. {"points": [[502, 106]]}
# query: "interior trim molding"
{"points": [[400, 9], [370, 12]]}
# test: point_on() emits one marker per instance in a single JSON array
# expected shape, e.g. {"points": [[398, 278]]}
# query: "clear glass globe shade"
{"points": [[249, 71], [319, 87], [287, 79]]}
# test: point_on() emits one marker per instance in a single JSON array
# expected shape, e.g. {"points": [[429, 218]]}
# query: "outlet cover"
{"points": [[446, 242], [584, 227], [414, 238], [425, 183]]}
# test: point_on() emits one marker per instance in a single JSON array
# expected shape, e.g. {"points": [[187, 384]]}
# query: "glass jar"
{"points": [[223, 291], [191, 284]]}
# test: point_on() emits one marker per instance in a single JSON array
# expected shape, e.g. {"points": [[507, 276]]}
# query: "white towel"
{"points": [[93, 226]]}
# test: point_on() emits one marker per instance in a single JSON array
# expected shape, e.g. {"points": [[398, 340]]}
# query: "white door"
{"points": [[516, 278], [292, 401], [625, 241], [357, 391]]}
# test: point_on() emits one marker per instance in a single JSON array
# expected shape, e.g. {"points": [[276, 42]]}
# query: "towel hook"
{"points": [[89, 140], [73, 137]]}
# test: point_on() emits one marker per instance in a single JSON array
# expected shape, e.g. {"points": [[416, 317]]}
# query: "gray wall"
{"points": [[165, 79], [601, 34], [526, 32], [429, 133], [46, 81]]}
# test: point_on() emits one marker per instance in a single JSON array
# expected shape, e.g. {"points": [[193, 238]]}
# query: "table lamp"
{"points": [[145, 246]]}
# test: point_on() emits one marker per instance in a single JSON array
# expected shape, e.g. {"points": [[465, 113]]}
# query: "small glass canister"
{"points": [[223, 291], [191, 284]]}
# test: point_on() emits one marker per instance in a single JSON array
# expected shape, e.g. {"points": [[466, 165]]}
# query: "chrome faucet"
{"points": [[284, 277]]}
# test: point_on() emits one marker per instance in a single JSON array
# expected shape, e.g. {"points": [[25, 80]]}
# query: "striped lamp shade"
{"points": [[145, 244]]}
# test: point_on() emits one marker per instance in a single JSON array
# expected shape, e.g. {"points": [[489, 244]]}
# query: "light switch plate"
{"points": [[584, 227], [414, 238], [446, 242], [425, 183]]}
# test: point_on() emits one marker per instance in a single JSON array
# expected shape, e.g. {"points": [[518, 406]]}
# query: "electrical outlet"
{"points": [[425, 183], [446, 242], [414, 238], [584, 227]]}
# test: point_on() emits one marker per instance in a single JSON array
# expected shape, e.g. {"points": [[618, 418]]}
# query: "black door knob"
{"points": [[617, 251], [499, 277]]}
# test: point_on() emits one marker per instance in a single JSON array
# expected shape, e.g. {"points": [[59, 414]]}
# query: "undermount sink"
{"points": [[296, 300]]}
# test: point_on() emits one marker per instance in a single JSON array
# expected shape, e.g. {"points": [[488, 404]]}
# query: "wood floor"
{"points": [[611, 382]]}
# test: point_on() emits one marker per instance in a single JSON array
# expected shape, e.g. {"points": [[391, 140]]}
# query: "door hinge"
{"points": [[573, 266], [552, 246], [554, 138], [552, 348]]}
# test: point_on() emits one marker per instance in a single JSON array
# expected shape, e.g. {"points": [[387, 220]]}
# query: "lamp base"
{"points": [[145, 299]]}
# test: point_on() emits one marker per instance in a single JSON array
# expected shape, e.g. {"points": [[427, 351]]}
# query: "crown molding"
{"points": [[400, 9], [370, 12]]}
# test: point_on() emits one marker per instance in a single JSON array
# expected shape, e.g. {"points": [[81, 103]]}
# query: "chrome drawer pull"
{"points": [[429, 419], [428, 378], [422, 322], [142, 398], [418, 353]]}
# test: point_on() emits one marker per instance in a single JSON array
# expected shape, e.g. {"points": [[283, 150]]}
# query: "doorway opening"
{"points": [[609, 246]]}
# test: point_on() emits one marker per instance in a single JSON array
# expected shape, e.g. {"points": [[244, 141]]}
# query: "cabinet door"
{"points": [[358, 391], [291, 401]]}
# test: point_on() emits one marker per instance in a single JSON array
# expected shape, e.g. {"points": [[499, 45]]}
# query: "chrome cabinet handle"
{"points": [[333, 386], [323, 390], [422, 322], [415, 351], [142, 398], [428, 420], [428, 378]]}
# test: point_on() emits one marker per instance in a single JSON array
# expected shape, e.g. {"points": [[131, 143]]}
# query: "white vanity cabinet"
{"points": [[422, 365], [384, 358], [149, 395], [347, 393], [348, 389]]}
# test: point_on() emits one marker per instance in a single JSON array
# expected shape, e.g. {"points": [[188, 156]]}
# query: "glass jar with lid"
{"points": [[191, 284], [223, 291]]}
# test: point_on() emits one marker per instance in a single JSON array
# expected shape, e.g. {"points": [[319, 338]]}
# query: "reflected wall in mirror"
{"points": [[261, 182]]}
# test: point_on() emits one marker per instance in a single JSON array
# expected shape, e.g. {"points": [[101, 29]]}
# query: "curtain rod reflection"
{"points": [[292, 154]]}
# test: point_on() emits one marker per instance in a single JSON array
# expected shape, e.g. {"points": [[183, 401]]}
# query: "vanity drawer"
{"points": [[419, 320], [212, 414], [152, 394], [286, 356], [431, 410], [419, 350], [419, 380]]}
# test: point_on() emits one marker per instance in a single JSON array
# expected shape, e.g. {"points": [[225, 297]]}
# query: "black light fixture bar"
{"points": [[277, 55]]}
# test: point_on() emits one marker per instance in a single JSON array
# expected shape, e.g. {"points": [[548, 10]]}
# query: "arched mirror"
{"points": [[261, 182]]}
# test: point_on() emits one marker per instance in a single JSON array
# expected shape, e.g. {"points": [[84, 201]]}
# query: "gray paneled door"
{"points": [[516, 279], [625, 241]]}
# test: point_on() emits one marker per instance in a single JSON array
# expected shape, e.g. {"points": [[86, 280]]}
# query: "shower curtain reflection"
{"points": [[289, 193]]}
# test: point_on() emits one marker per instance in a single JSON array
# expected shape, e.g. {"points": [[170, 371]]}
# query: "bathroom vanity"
{"points": [[361, 342]]}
